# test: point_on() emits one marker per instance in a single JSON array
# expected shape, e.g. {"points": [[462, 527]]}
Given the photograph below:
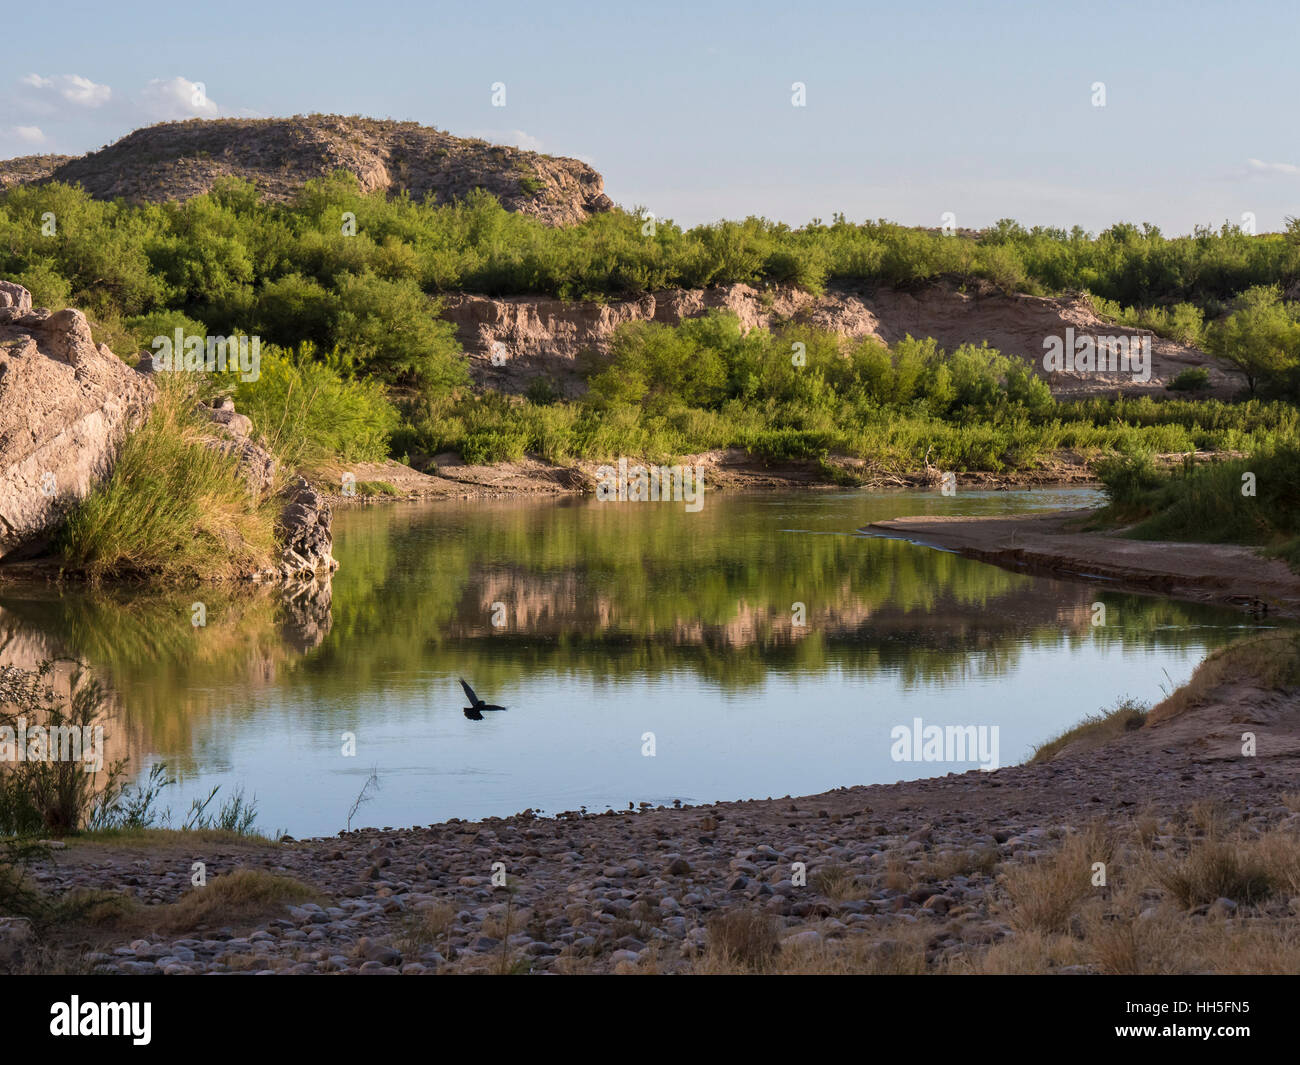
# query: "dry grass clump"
{"points": [[1046, 894], [1027, 951], [101, 919], [1146, 827], [244, 896], [947, 864], [426, 928], [836, 881], [1268, 661], [744, 939], [1128, 943], [1128, 940], [899, 952], [1156, 913], [897, 875], [1218, 869], [1094, 730]]}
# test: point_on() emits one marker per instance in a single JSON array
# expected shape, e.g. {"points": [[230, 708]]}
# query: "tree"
{"points": [[1261, 338]]}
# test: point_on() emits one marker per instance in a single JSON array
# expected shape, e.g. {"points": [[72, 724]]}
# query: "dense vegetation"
{"points": [[349, 323], [215, 256], [668, 391], [1253, 500]]}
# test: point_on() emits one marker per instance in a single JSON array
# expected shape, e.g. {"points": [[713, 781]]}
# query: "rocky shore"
{"points": [[977, 872]]}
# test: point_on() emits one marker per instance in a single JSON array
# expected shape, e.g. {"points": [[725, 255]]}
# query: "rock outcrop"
{"points": [[1017, 324], [65, 405], [27, 169], [513, 340], [231, 436], [304, 529], [177, 160]]}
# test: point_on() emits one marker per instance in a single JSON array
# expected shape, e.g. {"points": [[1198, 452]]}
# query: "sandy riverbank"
{"points": [[1053, 544], [730, 469]]}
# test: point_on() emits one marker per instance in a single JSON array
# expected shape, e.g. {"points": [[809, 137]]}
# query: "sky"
{"points": [[939, 113]]}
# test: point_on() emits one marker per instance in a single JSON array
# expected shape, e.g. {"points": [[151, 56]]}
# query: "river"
{"points": [[760, 647]]}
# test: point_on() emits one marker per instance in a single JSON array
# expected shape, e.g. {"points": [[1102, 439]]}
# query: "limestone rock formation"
{"points": [[65, 405]]}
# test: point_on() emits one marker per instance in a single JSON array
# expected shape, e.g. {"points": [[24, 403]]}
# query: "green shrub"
{"points": [[312, 411], [1244, 501], [1128, 478], [1191, 380], [487, 446]]}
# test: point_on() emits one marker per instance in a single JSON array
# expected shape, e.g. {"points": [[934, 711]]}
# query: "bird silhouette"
{"points": [[476, 705]]}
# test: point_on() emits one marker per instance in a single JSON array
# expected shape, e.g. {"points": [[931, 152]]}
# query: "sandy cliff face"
{"points": [[177, 160], [1017, 325], [536, 336]]}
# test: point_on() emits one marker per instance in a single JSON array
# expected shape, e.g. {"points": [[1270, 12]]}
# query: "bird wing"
{"points": [[474, 699]]}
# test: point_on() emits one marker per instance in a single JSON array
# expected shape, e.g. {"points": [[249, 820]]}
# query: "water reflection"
{"points": [[766, 646]]}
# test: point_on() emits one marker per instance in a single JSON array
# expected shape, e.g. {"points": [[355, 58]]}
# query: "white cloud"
{"points": [[29, 134], [73, 88], [176, 98], [1261, 167], [83, 91]]}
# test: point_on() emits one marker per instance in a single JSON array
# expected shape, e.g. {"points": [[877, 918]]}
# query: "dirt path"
{"points": [[1052, 544]]}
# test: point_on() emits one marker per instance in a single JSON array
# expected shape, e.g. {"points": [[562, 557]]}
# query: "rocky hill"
{"points": [[177, 160]]}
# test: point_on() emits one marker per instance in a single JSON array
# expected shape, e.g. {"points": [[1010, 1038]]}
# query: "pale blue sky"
{"points": [[983, 109]]}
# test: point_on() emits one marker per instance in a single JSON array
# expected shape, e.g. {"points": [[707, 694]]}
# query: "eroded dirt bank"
{"points": [[1053, 544], [983, 872], [512, 340]]}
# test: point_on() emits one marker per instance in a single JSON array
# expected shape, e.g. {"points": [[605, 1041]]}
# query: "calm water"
{"points": [[612, 621]]}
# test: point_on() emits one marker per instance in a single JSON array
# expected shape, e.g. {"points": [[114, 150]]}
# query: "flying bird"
{"points": [[476, 705]]}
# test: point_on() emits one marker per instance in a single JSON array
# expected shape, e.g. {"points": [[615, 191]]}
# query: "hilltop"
{"points": [[179, 160]]}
